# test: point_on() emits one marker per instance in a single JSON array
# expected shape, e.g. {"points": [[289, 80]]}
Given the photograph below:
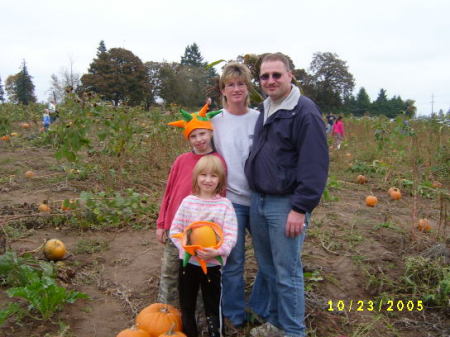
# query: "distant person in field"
{"points": [[204, 204], [330, 122], [52, 111], [198, 131], [234, 127], [46, 120], [287, 171], [338, 132]]}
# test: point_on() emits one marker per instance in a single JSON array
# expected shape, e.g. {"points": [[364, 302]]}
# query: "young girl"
{"points": [[338, 132], [205, 204], [198, 132]]}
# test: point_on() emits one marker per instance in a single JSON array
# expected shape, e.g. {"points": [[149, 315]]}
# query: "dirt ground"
{"points": [[347, 254]]}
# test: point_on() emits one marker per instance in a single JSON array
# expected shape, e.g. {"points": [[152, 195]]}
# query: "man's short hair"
{"points": [[277, 57]]}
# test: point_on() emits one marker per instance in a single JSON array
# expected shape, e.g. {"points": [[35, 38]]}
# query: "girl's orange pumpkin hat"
{"points": [[195, 120]]}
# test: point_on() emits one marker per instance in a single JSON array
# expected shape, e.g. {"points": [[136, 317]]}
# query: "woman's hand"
{"points": [[207, 253]]}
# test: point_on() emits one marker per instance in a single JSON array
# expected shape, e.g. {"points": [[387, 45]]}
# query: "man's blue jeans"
{"points": [[279, 260], [233, 283]]}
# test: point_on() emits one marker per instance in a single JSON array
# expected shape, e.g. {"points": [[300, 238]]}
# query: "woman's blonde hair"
{"points": [[213, 164], [234, 70]]}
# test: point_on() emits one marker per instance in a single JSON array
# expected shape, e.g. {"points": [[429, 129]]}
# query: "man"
{"points": [[287, 171]]}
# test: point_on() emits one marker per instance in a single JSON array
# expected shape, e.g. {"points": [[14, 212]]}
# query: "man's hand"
{"points": [[161, 235], [294, 224]]}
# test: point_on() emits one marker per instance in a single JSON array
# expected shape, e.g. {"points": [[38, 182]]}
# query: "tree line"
{"points": [[120, 77]]}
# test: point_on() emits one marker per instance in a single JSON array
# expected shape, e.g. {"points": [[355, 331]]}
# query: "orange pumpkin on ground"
{"points": [[395, 193], [172, 332], [132, 332], [424, 225], [361, 179], [5, 138], [158, 318], [44, 208], [25, 125], [29, 174], [54, 249], [436, 184], [371, 200]]}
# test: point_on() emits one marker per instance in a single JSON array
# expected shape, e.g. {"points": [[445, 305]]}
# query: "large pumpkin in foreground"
{"points": [[133, 333], [158, 318]]}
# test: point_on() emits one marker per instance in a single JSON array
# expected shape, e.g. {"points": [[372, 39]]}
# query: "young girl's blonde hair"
{"points": [[213, 164]]}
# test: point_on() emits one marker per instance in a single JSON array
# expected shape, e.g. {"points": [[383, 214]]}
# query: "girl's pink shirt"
{"points": [[179, 186], [338, 127]]}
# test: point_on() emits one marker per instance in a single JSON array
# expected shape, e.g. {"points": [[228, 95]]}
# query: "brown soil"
{"points": [[344, 244]]}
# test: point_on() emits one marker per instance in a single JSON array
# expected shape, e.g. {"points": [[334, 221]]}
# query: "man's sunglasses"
{"points": [[275, 76]]}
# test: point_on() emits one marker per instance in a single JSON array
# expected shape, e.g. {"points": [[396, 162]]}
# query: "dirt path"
{"points": [[349, 251]]}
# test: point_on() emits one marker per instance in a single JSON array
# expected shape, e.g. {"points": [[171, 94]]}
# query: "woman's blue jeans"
{"points": [[233, 283], [279, 261]]}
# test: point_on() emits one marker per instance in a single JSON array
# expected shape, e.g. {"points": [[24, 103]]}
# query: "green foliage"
{"points": [[33, 281], [377, 166], [2, 92], [117, 131], [12, 310], [14, 270], [5, 124], [119, 76], [332, 184], [192, 56], [428, 279], [23, 87], [332, 80], [116, 209], [44, 295], [70, 133], [185, 83]]}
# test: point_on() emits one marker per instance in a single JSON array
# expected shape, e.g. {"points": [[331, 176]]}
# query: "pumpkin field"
{"points": [[376, 256]]}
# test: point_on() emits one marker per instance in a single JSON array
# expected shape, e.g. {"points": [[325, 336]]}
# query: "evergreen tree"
{"points": [[362, 102], [192, 56], [380, 106], [396, 107], [101, 48], [2, 93], [194, 75], [24, 86]]}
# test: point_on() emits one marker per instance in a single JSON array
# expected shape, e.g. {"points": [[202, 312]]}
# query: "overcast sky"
{"points": [[402, 46]]}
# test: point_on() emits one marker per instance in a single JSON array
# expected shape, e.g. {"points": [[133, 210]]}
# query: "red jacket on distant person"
{"points": [[338, 127]]}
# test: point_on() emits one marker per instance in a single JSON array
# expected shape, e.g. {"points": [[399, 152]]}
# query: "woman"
{"points": [[233, 134]]}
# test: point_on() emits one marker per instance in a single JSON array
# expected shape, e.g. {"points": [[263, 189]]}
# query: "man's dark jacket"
{"points": [[289, 155]]}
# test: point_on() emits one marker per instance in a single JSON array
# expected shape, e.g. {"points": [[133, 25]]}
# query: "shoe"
{"points": [[229, 329], [253, 318], [266, 330]]}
